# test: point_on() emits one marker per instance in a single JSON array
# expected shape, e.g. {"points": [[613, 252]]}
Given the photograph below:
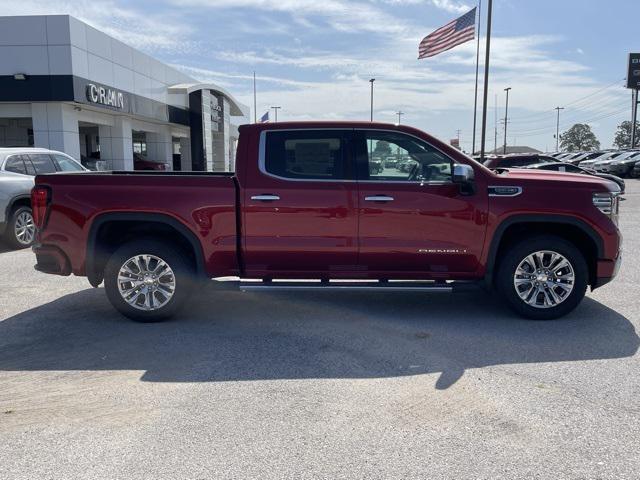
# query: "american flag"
{"points": [[265, 118], [445, 38]]}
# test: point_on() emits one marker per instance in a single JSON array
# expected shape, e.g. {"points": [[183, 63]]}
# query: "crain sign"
{"points": [[105, 96]]}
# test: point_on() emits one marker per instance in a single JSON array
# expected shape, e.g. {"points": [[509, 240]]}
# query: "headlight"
{"points": [[607, 203]]}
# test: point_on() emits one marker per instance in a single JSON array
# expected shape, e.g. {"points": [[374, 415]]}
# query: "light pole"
{"points": [[506, 117], [275, 109], [399, 113], [558, 127], [371, 82], [485, 93]]}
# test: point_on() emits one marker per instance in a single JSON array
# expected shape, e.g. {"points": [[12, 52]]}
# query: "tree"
{"points": [[623, 135], [382, 148], [579, 138]]}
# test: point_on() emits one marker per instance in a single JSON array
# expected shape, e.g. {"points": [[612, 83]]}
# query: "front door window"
{"points": [[399, 157]]}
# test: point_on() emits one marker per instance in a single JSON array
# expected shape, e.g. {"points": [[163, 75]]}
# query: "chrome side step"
{"points": [[347, 286]]}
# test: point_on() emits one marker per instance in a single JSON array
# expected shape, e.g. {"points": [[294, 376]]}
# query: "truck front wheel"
{"points": [[148, 281], [543, 277]]}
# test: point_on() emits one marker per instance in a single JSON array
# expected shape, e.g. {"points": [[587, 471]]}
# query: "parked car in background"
{"points": [[635, 173], [517, 160], [570, 168], [375, 166], [142, 163], [605, 156], [603, 164], [406, 165], [623, 165], [584, 156], [18, 166]]}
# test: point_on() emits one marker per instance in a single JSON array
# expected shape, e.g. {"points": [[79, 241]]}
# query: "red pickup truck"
{"points": [[344, 205]]}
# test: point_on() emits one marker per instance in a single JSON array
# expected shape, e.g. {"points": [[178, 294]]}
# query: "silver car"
{"points": [[18, 166]]}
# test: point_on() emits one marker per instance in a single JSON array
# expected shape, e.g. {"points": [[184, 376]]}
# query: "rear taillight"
{"points": [[39, 202]]}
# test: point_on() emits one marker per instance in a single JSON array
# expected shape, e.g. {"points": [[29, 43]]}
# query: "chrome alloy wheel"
{"points": [[146, 282], [24, 228], [544, 279]]}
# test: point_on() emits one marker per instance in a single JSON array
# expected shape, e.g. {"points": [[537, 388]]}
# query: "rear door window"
{"points": [[15, 164], [42, 163], [307, 155]]}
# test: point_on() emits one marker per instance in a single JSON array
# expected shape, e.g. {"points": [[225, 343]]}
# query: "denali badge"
{"points": [[504, 191]]}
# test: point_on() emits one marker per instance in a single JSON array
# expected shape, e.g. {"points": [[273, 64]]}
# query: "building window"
{"points": [[140, 143]]}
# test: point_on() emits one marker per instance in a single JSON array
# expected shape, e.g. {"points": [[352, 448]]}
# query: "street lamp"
{"points": [[558, 128], [399, 113], [275, 109], [506, 117], [371, 82]]}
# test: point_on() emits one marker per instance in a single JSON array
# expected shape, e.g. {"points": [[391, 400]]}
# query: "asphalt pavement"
{"points": [[317, 384]]}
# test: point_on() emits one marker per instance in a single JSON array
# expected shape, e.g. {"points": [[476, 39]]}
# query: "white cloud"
{"points": [[149, 31], [341, 15], [448, 5]]}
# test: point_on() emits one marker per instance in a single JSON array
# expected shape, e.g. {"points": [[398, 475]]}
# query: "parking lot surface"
{"points": [[318, 385]]}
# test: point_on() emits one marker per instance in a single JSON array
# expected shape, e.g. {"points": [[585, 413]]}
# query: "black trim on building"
{"points": [[198, 155], [71, 88]]}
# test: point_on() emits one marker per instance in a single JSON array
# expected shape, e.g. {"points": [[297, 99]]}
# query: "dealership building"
{"points": [[66, 86]]}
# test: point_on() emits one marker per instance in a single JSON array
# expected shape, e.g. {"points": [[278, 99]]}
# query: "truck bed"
{"points": [[203, 203]]}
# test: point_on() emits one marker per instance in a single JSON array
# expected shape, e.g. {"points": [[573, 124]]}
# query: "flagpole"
{"points": [[475, 98], [486, 82], [255, 108]]}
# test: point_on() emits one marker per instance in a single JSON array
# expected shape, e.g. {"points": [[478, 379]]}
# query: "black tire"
{"points": [[11, 233], [513, 255], [175, 258]]}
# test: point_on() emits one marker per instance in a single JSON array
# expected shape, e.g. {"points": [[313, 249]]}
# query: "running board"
{"points": [[351, 286]]}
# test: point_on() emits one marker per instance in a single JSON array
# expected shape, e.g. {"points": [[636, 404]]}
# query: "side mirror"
{"points": [[464, 176]]}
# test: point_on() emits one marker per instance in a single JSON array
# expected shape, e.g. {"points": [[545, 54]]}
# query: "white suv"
{"points": [[18, 166]]}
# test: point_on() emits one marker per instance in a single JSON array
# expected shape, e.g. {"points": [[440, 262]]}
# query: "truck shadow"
{"points": [[230, 335]]}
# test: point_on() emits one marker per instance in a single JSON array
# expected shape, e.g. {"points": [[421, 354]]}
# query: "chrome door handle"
{"points": [[265, 197], [379, 198]]}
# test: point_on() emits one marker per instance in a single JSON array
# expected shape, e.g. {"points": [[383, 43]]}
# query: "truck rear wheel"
{"points": [[147, 280], [543, 277]]}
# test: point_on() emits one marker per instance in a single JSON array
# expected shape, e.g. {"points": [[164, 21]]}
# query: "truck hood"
{"points": [[559, 179]]}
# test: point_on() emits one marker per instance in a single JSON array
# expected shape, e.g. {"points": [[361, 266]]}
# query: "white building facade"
{"points": [[67, 86]]}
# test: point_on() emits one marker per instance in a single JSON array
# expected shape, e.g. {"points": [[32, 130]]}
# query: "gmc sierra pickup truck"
{"points": [[344, 205]]}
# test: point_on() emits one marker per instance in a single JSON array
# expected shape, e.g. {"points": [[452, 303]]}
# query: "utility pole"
{"points": [[255, 107], [506, 119], [399, 113], [634, 117], [458, 135], [275, 109], [371, 82], [558, 128], [475, 96], [495, 125], [486, 83]]}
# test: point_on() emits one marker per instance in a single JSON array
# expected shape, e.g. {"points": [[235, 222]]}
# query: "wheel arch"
{"points": [[129, 225], [572, 229], [24, 199]]}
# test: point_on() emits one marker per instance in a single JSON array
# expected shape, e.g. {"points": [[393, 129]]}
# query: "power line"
{"points": [[550, 130], [574, 102]]}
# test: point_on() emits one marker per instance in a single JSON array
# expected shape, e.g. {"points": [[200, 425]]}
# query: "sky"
{"points": [[314, 58]]}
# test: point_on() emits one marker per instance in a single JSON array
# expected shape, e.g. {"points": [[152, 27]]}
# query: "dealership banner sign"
{"points": [[633, 75]]}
